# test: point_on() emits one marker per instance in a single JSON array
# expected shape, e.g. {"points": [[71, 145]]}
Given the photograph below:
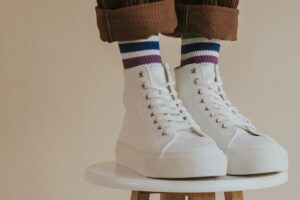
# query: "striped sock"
{"points": [[199, 50], [140, 52]]}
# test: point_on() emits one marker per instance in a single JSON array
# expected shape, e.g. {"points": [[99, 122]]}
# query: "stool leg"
{"points": [[234, 195], [172, 196], [202, 196], [136, 195]]}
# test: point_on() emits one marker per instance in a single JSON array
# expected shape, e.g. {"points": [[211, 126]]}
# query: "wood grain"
{"points": [[172, 196], [234, 195], [136, 195], [202, 196]]}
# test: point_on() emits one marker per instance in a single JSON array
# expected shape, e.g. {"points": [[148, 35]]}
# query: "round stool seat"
{"points": [[109, 174]]}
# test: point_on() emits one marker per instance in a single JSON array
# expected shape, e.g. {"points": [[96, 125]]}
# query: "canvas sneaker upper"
{"points": [[201, 89], [157, 126]]}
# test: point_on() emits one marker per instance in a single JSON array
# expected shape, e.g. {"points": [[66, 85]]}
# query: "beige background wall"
{"points": [[60, 93]]}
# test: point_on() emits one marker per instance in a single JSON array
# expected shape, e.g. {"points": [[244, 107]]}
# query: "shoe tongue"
{"points": [[157, 75], [208, 72]]}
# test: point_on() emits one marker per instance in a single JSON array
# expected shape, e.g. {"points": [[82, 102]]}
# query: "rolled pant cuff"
{"points": [[208, 21], [136, 22]]}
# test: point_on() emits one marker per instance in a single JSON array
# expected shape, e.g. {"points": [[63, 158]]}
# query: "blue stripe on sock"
{"points": [[200, 47], [138, 46]]}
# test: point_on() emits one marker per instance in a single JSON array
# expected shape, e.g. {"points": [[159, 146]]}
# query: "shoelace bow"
{"points": [[167, 109], [220, 107]]}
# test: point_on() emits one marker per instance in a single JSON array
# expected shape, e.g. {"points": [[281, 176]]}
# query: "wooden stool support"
{"points": [[136, 195], [202, 196], [172, 196], [234, 195]]}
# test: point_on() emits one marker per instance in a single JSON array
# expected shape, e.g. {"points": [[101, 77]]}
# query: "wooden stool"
{"points": [[108, 174]]}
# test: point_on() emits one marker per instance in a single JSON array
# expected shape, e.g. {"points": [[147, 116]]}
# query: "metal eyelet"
{"points": [[199, 91], [147, 97], [143, 86], [206, 108], [141, 74], [155, 121], [202, 101], [195, 80], [223, 126], [152, 114], [149, 106], [193, 70], [217, 120], [159, 127], [163, 134], [210, 115], [184, 118]]}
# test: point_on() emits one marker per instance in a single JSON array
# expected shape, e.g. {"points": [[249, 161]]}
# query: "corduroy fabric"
{"points": [[135, 21], [224, 3], [208, 21], [207, 18], [197, 2], [125, 20], [116, 4]]}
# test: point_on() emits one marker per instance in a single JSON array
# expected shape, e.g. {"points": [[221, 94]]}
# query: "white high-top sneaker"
{"points": [[159, 138], [248, 151]]}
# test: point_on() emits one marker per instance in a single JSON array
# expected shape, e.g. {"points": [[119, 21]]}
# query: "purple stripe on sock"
{"points": [[200, 59], [132, 62]]}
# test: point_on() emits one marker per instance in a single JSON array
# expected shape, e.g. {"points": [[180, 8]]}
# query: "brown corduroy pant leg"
{"points": [[123, 20]]}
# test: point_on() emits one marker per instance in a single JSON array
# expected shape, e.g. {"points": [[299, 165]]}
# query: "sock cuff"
{"points": [[152, 43], [199, 50], [140, 52], [192, 47], [188, 39]]}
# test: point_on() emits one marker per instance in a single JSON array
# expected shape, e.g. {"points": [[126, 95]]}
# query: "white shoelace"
{"points": [[214, 100], [166, 109]]}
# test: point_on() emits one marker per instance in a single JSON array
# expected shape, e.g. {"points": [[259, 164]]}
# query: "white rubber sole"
{"points": [[257, 161], [177, 165]]}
